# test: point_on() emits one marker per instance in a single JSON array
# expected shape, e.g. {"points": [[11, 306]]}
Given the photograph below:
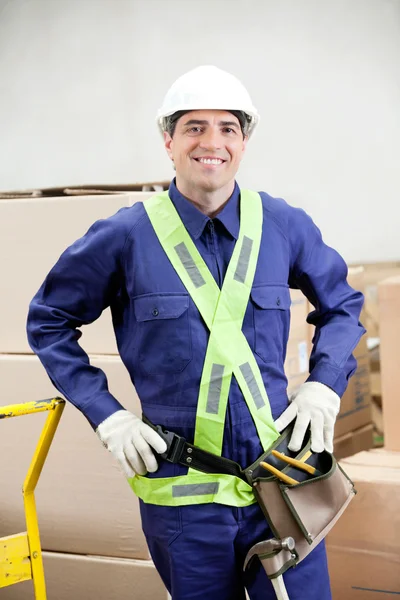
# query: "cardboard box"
{"points": [[86, 190], [374, 273], [376, 386], [355, 406], [356, 402], [363, 547], [358, 574], [389, 312], [377, 418], [298, 347], [33, 234], [354, 441], [70, 577], [371, 522], [84, 502]]}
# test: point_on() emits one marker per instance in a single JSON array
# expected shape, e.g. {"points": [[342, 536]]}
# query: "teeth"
{"points": [[211, 161]]}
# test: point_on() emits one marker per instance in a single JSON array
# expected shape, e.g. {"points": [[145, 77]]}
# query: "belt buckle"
{"points": [[175, 444]]}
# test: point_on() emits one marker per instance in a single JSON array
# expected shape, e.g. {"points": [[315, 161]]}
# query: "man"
{"points": [[199, 533]]}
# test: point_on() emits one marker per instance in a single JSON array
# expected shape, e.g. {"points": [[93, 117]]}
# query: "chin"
{"points": [[211, 185]]}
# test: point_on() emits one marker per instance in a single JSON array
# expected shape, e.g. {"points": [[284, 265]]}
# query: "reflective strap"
{"points": [[252, 385], [262, 417], [228, 345], [171, 233], [222, 489], [215, 388], [223, 311], [243, 262], [189, 265], [195, 489], [228, 350]]}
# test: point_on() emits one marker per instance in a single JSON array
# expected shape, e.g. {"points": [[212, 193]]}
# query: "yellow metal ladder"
{"points": [[21, 554]]}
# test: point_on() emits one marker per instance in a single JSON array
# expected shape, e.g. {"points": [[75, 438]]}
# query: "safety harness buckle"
{"points": [[175, 444]]}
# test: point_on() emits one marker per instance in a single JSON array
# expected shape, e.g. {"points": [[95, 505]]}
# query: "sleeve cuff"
{"points": [[101, 408], [331, 376]]}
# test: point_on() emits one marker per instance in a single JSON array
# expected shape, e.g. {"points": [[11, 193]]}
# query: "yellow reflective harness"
{"points": [[228, 352]]}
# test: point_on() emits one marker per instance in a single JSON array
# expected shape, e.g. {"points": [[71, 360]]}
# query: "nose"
{"points": [[211, 139]]}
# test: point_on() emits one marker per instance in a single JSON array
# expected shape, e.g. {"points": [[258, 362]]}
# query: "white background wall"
{"points": [[81, 81]]}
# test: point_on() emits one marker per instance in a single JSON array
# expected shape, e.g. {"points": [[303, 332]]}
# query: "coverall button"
{"points": [[155, 312], [278, 301]]}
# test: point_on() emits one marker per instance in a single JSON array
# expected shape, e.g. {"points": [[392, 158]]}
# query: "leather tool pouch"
{"points": [[300, 515]]}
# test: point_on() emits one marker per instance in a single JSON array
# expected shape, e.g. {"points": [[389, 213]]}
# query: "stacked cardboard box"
{"points": [[69, 576], [34, 231], [389, 311], [354, 427], [89, 518], [374, 275], [299, 343], [376, 390], [363, 547]]}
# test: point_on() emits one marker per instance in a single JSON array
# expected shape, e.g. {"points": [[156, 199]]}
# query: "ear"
{"points": [[245, 140], [168, 143]]}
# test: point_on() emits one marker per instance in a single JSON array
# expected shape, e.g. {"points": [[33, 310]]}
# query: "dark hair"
{"points": [[172, 120]]}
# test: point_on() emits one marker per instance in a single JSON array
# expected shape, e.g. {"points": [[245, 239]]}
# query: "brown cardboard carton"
{"points": [[298, 347], [85, 190], [389, 312], [356, 402], [354, 441], [372, 521], [355, 406], [33, 234], [73, 577], [84, 503], [376, 386], [358, 574], [374, 273], [363, 547], [377, 417]]}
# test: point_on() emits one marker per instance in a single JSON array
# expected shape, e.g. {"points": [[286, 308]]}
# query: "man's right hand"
{"points": [[130, 440]]}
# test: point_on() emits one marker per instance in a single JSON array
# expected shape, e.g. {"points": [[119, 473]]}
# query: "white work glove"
{"points": [[316, 403], [129, 440]]}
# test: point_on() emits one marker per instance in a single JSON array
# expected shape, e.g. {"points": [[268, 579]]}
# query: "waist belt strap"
{"points": [[188, 455]]}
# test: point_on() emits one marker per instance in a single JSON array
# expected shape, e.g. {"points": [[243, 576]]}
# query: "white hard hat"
{"points": [[207, 87]]}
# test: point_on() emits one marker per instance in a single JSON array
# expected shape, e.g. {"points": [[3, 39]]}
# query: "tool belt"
{"points": [[302, 494]]}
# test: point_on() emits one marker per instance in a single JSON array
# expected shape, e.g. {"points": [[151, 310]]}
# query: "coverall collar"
{"points": [[195, 221]]}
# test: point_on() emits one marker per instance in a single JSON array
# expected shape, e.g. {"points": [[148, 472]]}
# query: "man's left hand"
{"points": [[313, 403]]}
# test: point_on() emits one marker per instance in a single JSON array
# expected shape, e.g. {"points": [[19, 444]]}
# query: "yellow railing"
{"points": [[21, 554]]}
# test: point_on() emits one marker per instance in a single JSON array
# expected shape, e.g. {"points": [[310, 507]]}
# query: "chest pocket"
{"points": [[271, 306], [164, 338]]}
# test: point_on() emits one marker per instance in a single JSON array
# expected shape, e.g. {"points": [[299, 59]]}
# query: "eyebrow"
{"points": [[203, 122]]}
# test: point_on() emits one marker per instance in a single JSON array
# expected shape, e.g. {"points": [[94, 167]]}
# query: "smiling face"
{"points": [[207, 147]]}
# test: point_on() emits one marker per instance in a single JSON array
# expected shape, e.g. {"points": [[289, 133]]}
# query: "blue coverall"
{"points": [[162, 339]]}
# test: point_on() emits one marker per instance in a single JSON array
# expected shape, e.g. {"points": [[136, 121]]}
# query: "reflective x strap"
{"points": [[223, 312]]}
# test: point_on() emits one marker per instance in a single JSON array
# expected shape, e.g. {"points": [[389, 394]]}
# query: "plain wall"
{"points": [[81, 81]]}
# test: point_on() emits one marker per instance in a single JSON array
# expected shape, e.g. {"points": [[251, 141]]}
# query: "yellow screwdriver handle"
{"points": [[282, 476], [296, 463]]}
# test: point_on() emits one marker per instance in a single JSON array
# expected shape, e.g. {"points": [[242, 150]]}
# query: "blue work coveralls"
{"points": [[162, 339]]}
